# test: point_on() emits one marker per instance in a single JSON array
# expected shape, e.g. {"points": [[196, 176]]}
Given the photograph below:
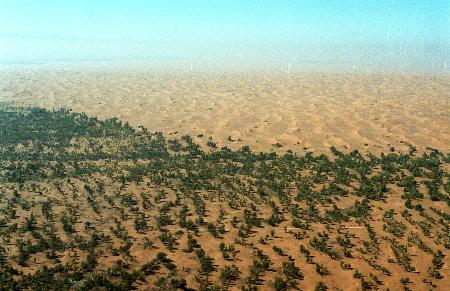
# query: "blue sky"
{"points": [[44, 29]]}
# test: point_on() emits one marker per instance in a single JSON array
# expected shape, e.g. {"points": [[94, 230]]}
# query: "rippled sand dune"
{"points": [[301, 111]]}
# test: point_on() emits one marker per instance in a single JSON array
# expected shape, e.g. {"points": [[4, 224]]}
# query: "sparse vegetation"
{"points": [[96, 204]]}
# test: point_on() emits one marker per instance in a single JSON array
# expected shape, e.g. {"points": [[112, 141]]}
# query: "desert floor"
{"points": [[301, 111], [387, 240]]}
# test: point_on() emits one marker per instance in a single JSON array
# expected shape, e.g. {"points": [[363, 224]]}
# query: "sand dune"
{"points": [[298, 110]]}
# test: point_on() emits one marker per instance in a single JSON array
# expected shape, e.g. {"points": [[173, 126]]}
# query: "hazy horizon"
{"points": [[404, 36]]}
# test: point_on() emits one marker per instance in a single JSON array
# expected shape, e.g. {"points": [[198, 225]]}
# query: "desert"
{"points": [[150, 180]]}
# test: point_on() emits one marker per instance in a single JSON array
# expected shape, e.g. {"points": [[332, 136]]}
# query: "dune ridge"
{"points": [[300, 111]]}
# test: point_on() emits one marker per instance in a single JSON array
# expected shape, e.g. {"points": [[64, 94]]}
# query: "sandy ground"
{"points": [[298, 110]]}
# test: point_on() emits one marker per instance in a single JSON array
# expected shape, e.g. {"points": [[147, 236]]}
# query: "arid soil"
{"points": [[300, 111], [351, 190]]}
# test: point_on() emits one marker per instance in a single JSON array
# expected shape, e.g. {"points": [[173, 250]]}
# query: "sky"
{"points": [[352, 33]]}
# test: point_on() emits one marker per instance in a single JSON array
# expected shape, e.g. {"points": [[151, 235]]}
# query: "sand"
{"points": [[301, 111]]}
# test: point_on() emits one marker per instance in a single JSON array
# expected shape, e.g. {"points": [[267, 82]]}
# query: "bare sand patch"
{"points": [[300, 111]]}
